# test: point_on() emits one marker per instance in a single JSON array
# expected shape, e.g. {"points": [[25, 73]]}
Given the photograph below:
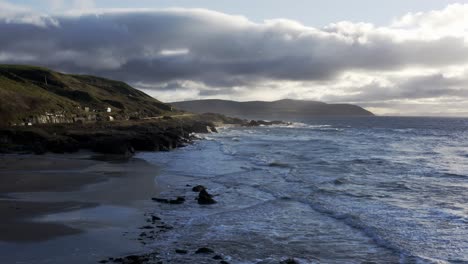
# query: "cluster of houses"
{"points": [[60, 117]]}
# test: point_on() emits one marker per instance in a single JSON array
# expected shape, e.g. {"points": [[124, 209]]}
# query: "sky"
{"points": [[397, 58], [307, 12]]}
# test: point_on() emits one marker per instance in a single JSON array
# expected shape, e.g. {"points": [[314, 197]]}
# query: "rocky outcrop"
{"points": [[254, 123], [204, 250], [117, 138], [178, 200], [120, 137], [205, 198], [198, 188]]}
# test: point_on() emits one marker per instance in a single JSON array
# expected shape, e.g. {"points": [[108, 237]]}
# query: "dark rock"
{"points": [[179, 200], [39, 149], [205, 198], [160, 200], [218, 257], [111, 145], [289, 261], [254, 123], [133, 258], [144, 143], [223, 262], [181, 251], [198, 188], [339, 181], [62, 145], [147, 227], [165, 227], [213, 129], [204, 250], [155, 218], [118, 138], [279, 164]]}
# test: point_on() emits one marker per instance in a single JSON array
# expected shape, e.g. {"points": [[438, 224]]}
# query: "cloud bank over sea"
{"points": [[416, 64]]}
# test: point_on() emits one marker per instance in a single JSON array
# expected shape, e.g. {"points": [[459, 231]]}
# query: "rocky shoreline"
{"points": [[108, 138], [123, 139], [156, 226], [119, 138]]}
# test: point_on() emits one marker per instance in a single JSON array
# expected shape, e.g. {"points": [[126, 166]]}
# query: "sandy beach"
{"points": [[84, 202]]}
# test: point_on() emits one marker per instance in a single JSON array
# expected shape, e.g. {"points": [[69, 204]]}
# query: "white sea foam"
{"points": [[277, 198]]}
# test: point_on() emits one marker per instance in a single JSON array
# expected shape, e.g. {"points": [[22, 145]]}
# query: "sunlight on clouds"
{"points": [[17, 14], [173, 52], [450, 21], [420, 59]]}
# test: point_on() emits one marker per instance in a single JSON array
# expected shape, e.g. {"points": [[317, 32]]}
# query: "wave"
{"points": [[301, 125], [369, 185], [279, 164], [357, 222], [454, 175]]}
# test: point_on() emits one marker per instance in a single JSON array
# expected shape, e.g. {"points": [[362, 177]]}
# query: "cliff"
{"points": [[38, 95], [46, 111]]}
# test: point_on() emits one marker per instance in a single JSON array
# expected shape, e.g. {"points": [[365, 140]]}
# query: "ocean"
{"points": [[324, 190]]}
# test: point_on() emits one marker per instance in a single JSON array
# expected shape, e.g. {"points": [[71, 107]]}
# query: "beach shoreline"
{"points": [[74, 198]]}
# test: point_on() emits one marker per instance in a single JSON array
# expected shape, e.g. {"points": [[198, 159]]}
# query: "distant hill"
{"points": [[283, 109], [40, 95]]}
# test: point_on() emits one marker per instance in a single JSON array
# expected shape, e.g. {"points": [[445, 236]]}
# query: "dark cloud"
{"points": [[162, 50], [221, 50]]}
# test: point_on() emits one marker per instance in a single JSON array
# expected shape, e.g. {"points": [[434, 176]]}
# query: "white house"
{"points": [[109, 110]]}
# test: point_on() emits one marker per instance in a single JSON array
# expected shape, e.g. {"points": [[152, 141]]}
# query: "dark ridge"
{"points": [[282, 109]]}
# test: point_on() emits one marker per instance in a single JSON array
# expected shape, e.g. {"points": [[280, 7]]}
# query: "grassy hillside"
{"points": [[282, 109], [27, 91]]}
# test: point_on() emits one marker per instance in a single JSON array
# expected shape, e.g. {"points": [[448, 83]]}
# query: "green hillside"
{"points": [[27, 92]]}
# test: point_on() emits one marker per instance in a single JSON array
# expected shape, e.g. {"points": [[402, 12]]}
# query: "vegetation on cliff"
{"points": [[31, 94]]}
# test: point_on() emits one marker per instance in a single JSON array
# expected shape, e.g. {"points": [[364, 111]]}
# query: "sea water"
{"points": [[336, 190]]}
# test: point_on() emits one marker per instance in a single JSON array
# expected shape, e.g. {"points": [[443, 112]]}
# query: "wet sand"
{"points": [[32, 173], [15, 225], [51, 200]]}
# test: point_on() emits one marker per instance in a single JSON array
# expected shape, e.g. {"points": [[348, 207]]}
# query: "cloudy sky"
{"points": [[407, 57]]}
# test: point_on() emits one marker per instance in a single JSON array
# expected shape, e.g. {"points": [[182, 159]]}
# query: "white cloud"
{"points": [[173, 52], [196, 53], [17, 14], [450, 21]]}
